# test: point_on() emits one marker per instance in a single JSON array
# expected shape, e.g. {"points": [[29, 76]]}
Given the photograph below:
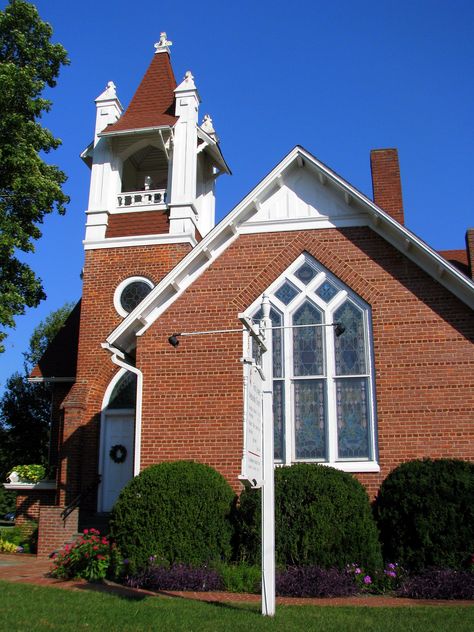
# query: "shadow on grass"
{"points": [[134, 594]]}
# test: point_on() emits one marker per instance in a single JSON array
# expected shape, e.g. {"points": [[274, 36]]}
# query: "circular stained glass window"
{"points": [[133, 294]]}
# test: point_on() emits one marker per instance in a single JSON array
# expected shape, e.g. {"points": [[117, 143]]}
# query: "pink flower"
{"points": [[86, 531], [357, 571], [367, 579], [95, 548]]}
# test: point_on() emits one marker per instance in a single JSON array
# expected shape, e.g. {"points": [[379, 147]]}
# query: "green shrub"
{"points": [[241, 578], [322, 518], [29, 473], [178, 512], [425, 513], [24, 536], [8, 547]]}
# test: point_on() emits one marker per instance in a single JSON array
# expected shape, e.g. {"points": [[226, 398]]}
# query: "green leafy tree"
{"points": [[29, 187], [25, 407]]}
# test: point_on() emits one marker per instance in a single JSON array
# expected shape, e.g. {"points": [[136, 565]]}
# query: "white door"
{"points": [[117, 455]]}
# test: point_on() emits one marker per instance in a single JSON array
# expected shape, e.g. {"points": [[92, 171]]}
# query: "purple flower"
{"points": [[152, 558], [367, 579], [126, 561], [391, 567], [357, 571]]}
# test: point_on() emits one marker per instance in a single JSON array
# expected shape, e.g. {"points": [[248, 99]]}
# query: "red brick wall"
{"points": [[424, 357], [192, 406], [138, 223], [386, 183], [53, 531], [29, 503], [104, 270]]}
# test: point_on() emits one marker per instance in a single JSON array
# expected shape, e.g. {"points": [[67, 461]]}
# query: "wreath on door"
{"points": [[118, 453]]}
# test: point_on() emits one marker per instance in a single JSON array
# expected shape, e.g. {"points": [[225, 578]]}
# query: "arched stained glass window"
{"points": [[350, 347], [323, 391], [124, 394], [278, 382], [308, 353]]}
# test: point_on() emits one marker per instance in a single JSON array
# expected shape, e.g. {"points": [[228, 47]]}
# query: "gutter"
{"points": [[119, 358]]}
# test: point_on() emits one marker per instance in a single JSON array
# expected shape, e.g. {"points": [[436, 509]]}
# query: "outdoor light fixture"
{"points": [[173, 340], [339, 329]]}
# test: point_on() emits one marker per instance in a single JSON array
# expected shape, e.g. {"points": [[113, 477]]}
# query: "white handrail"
{"points": [[141, 198]]}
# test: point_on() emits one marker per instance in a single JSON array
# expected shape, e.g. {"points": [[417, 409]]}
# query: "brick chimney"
{"points": [[386, 184], [470, 250]]}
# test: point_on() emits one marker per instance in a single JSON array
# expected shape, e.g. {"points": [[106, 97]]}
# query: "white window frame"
{"points": [[328, 309], [121, 287]]}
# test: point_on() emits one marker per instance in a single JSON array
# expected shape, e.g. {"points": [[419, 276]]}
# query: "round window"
{"points": [[130, 293]]}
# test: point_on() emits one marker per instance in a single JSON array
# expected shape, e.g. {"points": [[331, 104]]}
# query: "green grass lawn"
{"points": [[25, 607]]}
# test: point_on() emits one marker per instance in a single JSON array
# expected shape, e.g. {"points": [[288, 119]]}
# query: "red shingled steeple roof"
{"points": [[153, 102]]}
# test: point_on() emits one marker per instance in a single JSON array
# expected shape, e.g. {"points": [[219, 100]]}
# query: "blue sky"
{"points": [[339, 78]]}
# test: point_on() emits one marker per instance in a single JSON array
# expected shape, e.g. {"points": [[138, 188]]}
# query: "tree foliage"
{"points": [[25, 406], [29, 187]]}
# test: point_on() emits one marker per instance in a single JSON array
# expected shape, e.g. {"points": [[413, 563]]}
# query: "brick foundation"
{"points": [[54, 532], [30, 502]]}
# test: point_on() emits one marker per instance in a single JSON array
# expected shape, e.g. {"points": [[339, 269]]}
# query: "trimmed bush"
{"points": [[425, 514], [178, 512], [439, 584], [322, 518]]}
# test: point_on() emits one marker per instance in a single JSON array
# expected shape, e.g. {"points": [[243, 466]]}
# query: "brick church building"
{"points": [[397, 384]]}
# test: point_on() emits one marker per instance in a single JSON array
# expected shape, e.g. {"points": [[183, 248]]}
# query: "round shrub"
{"points": [[322, 518], [425, 514], [177, 512]]}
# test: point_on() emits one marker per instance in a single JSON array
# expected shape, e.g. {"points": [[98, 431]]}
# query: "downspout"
{"points": [[118, 358]]}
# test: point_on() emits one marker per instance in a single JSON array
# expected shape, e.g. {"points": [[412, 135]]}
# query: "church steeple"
{"points": [[152, 162]]}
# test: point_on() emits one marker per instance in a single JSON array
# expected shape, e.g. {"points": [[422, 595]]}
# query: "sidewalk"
{"points": [[28, 569]]}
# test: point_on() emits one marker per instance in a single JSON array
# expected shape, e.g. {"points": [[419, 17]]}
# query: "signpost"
{"points": [[257, 460], [252, 471], [258, 454]]}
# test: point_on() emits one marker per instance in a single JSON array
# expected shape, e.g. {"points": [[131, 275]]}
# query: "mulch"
{"points": [[28, 569]]}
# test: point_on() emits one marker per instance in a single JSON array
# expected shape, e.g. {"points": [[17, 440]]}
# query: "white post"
{"points": [[182, 189], [268, 488]]}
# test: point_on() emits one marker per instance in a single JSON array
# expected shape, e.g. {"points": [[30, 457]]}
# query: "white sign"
{"points": [[252, 455]]}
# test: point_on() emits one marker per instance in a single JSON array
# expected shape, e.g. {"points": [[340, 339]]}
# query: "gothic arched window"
{"points": [[323, 387]]}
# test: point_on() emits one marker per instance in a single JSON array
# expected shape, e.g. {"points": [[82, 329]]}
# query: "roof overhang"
{"points": [[134, 132], [221, 237], [213, 149]]}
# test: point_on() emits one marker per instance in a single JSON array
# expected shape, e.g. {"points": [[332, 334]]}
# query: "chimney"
{"points": [[470, 250], [386, 184]]}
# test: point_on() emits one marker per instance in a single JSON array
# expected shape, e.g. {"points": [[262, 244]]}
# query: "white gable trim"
{"points": [[223, 235]]}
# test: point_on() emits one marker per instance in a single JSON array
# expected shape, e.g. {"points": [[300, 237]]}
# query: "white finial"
{"points": [[208, 127], [108, 93], [188, 76], [163, 44], [111, 88]]}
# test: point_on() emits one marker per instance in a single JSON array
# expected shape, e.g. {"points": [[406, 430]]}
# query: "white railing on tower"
{"points": [[141, 198]]}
